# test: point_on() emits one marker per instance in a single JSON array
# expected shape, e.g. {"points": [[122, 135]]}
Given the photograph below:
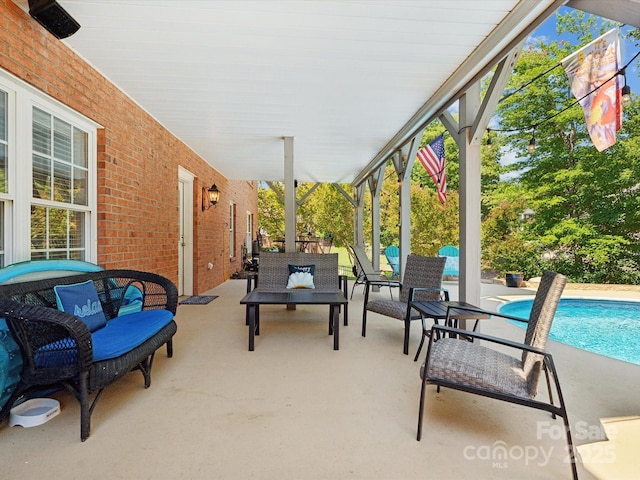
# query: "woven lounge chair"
{"points": [[421, 281], [455, 360]]}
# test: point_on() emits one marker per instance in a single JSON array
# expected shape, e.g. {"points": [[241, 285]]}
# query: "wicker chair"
{"points": [[461, 363], [421, 281], [58, 348], [274, 273]]}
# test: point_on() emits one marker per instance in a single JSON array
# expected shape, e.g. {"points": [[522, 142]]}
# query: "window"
{"points": [[56, 189], [249, 234], [60, 172], [232, 230]]}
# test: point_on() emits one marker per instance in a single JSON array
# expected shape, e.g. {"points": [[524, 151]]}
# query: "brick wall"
{"points": [[214, 229], [138, 163]]}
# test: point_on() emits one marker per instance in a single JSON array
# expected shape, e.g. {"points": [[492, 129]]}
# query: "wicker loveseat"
{"points": [[59, 349], [273, 271], [273, 274]]}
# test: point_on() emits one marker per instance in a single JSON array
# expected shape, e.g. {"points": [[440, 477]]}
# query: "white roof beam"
{"points": [[623, 11], [451, 124], [493, 95], [492, 50]]}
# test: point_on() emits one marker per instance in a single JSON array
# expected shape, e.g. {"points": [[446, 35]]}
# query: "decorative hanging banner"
{"points": [[594, 68]]}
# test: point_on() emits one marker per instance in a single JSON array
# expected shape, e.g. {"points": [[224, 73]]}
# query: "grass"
{"points": [[343, 256], [344, 260]]}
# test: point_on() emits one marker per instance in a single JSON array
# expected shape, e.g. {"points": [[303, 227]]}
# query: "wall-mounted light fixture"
{"points": [[53, 17], [210, 197]]}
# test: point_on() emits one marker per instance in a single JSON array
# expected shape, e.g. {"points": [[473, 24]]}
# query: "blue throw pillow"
{"points": [[132, 302], [301, 276], [81, 300]]}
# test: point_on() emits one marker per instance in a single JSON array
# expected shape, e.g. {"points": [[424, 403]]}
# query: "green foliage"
{"points": [[271, 210], [389, 208], [433, 225], [325, 213], [515, 255], [585, 202], [505, 245]]}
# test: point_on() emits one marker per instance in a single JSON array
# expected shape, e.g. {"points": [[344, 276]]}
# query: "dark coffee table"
{"points": [[255, 298], [437, 310]]}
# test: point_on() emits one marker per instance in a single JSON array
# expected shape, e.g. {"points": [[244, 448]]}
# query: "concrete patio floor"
{"points": [[296, 409]]}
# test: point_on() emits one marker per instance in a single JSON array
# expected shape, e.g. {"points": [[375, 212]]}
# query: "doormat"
{"points": [[198, 300]]}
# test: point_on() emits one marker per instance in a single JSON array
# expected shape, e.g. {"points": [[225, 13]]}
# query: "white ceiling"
{"points": [[230, 78]]}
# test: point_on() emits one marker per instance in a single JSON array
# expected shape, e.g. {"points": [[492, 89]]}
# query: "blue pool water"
{"points": [[606, 327]]}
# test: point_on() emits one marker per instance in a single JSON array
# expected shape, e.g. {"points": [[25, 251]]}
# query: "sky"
{"points": [[548, 30]]}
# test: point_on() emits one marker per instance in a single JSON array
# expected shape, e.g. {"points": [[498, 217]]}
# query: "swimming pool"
{"points": [[606, 327]]}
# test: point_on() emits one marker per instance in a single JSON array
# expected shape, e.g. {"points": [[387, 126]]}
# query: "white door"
{"points": [[185, 233]]}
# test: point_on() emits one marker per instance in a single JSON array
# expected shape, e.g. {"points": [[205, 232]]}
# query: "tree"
{"points": [[327, 213], [585, 201], [324, 213], [271, 210], [433, 224]]}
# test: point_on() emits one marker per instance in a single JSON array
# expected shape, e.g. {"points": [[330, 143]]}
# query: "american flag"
{"points": [[432, 159]]}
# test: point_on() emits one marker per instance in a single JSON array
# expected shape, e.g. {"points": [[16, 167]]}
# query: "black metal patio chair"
{"points": [[421, 281], [453, 361]]}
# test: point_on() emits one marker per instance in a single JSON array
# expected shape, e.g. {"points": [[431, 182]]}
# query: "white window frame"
{"points": [[18, 199], [249, 233]]}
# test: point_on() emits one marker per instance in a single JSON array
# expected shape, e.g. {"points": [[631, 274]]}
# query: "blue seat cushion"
{"points": [[57, 354], [123, 334]]}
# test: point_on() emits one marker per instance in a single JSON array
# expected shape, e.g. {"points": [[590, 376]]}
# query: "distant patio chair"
{"points": [[452, 265], [455, 360], [421, 281], [363, 270], [393, 259]]}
